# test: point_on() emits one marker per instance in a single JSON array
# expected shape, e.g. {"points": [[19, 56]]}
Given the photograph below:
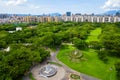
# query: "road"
{"points": [[69, 70]]}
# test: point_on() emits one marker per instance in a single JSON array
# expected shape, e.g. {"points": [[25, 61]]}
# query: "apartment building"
{"points": [[67, 17], [91, 18]]}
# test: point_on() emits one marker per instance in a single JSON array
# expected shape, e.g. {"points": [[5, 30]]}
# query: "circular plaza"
{"points": [[48, 72]]}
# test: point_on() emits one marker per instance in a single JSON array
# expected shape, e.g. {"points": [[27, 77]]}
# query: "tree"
{"points": [[110, 38], [80, 44], [95, 44], [15, 63], [117, 66]]}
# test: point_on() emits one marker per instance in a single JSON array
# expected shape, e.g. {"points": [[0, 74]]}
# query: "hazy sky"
{"points": [[61, 6]]}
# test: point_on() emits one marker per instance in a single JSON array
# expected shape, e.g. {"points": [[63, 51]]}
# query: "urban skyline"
{"points": [[54, 6]]}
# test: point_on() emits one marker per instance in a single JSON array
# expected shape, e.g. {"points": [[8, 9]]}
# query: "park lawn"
{"points": [[92, 65], [94, 35], [3, 34]]}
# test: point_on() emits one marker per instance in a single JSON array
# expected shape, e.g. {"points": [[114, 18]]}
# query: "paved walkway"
{"points": [[63, 72], [69, 70]]}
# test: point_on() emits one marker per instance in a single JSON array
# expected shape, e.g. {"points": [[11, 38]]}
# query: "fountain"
{"points": [[47, 71]]}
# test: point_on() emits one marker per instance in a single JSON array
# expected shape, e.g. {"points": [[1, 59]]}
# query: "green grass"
{"points": [[94, 35], [3, 34], [92, 65]]}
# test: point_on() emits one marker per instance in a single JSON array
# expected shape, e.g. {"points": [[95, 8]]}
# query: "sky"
{"points": [[57, 6]]}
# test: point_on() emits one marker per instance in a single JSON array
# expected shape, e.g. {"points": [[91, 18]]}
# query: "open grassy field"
{"points": [[94, 35], [92, 65], [3, 34]]}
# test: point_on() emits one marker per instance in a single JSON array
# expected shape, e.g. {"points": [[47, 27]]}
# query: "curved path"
{"points": [[69, 70], [63, 72]]}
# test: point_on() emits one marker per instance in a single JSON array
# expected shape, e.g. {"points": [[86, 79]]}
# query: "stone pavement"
{"points": [[62, 74]]}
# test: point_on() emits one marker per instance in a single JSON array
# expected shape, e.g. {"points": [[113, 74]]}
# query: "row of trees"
{"points": [[22, 54], [110, 40], [51, 35], [17, 62], [27, 46]]}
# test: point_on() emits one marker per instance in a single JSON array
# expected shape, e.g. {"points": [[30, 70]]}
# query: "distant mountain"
{"points": [[112, 12]]}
